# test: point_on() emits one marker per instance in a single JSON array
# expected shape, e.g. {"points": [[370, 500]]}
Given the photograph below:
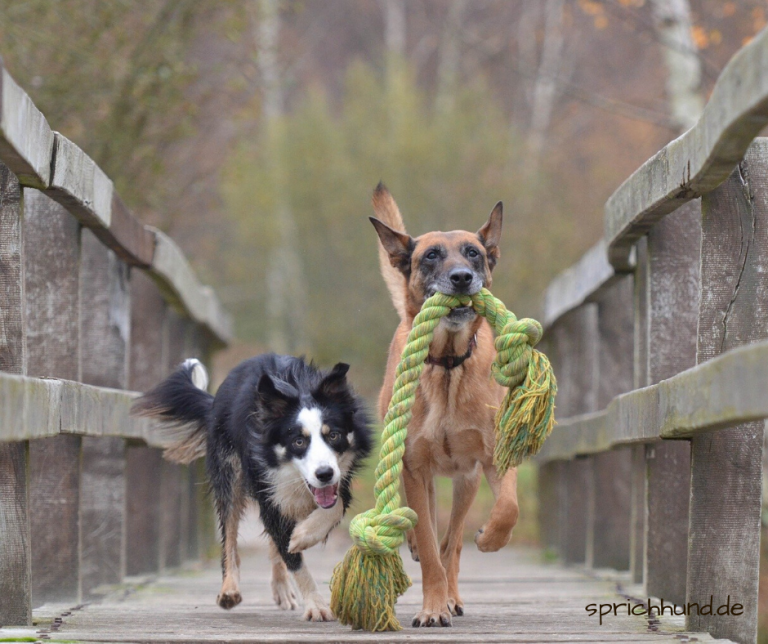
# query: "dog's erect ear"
{"points": [[399, 246], [334, 383], [490, 234], [276, 395]]}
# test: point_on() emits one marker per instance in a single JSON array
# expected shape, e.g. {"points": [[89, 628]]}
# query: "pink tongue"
{"points": [[325, 496]]}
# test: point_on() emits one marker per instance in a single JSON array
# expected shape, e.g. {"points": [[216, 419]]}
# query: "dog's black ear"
{"points": [[399, 246], [276, 395], [334, 384], [490, 234]]}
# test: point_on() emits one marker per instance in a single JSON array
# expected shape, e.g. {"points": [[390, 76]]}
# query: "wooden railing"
{"points": [[93, 306], [655, 336]]}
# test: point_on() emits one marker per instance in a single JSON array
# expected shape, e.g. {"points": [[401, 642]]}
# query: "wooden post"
{"points": [[15, 570], [609, 545], [52, 269], [724, 541], [105, 331], [673, 296], [574, 353], [144, 465]]}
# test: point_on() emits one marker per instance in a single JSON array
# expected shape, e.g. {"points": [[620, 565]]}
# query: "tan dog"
{"points": [[452, 430]]}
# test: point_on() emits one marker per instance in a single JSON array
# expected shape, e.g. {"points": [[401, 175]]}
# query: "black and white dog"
{"points": [[281, 432]]}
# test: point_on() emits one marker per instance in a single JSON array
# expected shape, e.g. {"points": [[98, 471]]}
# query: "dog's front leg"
{"points": [[315, 527], [435, 607], [496, 533], [316, 608]]}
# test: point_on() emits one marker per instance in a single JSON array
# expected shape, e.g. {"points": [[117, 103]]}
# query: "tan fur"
{"points": [[452, 429], [387, 211]]}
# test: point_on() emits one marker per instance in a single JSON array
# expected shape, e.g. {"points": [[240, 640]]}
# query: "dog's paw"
{"points": [[489, 539], [431, 618], [411, 539], [316, 610], [303, 538], [456, 606], [229, 599], [283, 594]]}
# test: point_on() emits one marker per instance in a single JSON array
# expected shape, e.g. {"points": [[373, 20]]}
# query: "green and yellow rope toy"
{"points": [[367, 583]]}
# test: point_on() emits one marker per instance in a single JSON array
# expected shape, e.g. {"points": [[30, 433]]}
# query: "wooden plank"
{"points": [[132, 241], [548, 482], [148, 360], [171, 501], [26, 140], [15, 572], [143, 482], [638, 515], [726, 467], [105, 336], [578, 284], [79, 185], [611, 470], [52, 264], [673, 264], [698, 161], [102, 510]]}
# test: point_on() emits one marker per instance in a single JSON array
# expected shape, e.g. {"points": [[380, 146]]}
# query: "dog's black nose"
{"points": [[461, 278], [324, 474]]}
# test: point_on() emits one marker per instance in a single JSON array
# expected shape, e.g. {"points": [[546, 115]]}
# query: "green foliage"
{"points": [[446, 171]]}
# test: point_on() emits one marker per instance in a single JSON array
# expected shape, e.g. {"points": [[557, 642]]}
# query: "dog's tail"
{"points": [[387, 211], [183, 405]]}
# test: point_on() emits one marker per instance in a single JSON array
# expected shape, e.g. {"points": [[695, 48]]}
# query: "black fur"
{"points": [[253, 412]]}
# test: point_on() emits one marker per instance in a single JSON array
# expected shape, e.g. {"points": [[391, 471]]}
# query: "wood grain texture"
{"points": [[638, 515], [611, 470], [102, 512], [105, 337], [172, 490], [144, 467], [575, 497], [132, 241], [12, 336], [15, 572], [698, 161], [726, 467], [26, 140], [674, 249], [52, 265], [105, 302]]}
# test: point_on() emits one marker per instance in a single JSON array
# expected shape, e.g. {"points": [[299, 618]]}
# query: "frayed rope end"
{"points": [[365, 588]]}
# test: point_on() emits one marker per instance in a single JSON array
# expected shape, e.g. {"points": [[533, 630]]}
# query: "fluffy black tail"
{"points": [[183, 404]]}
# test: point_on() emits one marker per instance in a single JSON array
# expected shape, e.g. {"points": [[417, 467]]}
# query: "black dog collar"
{"points": [[449, 362]]}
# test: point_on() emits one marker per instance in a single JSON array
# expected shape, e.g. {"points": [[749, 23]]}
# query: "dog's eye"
{"points": [[298, 443], [472, 253], [334, 437], [433, 254]]}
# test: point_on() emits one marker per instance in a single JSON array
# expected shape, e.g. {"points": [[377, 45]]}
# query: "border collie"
{"points": [[281, 432]]}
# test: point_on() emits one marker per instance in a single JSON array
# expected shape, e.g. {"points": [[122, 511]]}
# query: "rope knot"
{"points": [[514, 347], [381, 534]]}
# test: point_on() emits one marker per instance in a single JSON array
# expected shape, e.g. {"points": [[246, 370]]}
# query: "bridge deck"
{"points": [[510, 596]]}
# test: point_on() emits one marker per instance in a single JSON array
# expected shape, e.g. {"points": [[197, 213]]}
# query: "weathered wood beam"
{"points": [[725, 391], [26, 140], [699, 160]]}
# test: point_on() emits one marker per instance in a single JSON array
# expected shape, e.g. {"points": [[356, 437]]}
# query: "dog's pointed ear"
{"points": [[334, 384], [399, 246], [276, 395], [490, 234]]}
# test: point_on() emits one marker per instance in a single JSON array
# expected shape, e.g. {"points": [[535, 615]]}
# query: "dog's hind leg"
{"points": [[282, 590], [316, 608], [227, 485], [464, 492], [497, 531]]}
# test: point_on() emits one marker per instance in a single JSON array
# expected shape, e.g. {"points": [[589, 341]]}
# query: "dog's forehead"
{"points": [[453, 239], [311, 420]]}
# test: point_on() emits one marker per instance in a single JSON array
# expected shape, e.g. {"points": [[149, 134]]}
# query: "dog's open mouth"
{"points": [[325, 497]]}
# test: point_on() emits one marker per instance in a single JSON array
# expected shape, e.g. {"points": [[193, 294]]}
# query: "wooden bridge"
{"points": [[649, 487]]}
